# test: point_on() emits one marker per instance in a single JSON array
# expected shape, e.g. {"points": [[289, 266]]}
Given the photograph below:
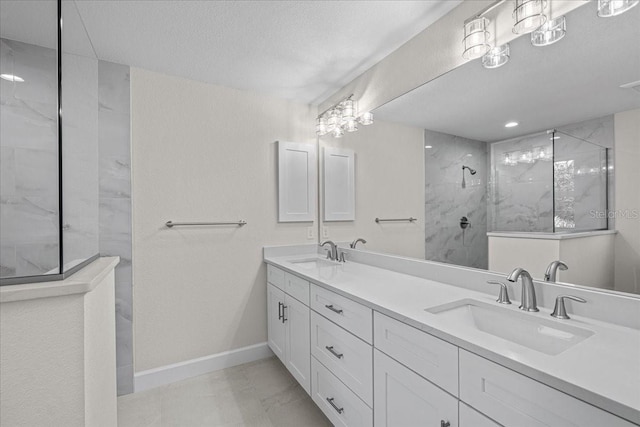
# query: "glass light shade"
{"points": [[351, 125], [338, 132], [333, 120], [366, 118], [496, 57], [608, 8], [550, 32], [529, 15], [348, 110], [321, 126], [476, 38]]}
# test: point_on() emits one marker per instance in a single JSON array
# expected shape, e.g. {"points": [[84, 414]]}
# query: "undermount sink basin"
{"points": [[313, 263], [531, 331]]}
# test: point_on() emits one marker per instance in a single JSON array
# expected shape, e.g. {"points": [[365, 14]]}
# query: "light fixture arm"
{"points": [[485, 10]]}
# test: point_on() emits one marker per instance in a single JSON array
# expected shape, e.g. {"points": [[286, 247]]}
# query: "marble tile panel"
{"points": [[124, 341], [37, 65], [29, 219], [7, 260], [37, 258], [114, 91], [29, 125], [7, 172], [36, 172], [115, 219], [115, 156], [124, 380]]}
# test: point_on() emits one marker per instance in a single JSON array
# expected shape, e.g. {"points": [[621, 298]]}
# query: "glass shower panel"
{"points": [[580, 184], [79, 106], [29, 181], [521, 187]]}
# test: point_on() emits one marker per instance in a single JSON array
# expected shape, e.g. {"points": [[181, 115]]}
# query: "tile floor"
{"points": [[260, 394]]}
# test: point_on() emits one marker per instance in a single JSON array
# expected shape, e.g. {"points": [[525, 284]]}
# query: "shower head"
{"points": [[471, 171]]}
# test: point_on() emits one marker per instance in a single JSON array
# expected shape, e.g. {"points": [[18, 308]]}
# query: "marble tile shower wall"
{"points": [[115, 203], [521, 193], [446, 202], [28, 161]]}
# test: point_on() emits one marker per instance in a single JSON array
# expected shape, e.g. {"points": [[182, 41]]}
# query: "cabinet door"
{"points": [[471, 418], [403, 398], [298, 341], [275, 325]]}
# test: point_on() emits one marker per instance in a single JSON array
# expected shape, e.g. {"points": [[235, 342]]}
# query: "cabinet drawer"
{"points": [[404, 398], [470, 417], [431, 357], [515, 400], [346, 356], [297, 288], [354, 317], [339, 404], [275, 276]]}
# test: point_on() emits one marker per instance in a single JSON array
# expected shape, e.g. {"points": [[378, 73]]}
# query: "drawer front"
{"points": [[515, 400], [275, 276], [431, 357], [339, 404], [472, 418], [297, 288], [404, 398], [354, 317], [346, 356]]}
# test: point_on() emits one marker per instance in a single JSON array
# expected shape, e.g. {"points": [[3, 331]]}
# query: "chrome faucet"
{"points": [[353, 244], [332, 254], [528, 291], [550, 274]]}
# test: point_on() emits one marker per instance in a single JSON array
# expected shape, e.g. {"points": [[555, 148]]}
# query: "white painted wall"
{"points": [[590, 258], [389, 183], [627, 199], [205, 152]]}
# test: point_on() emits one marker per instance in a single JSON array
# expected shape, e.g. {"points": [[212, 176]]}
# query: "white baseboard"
{"points": [[156, 377]]}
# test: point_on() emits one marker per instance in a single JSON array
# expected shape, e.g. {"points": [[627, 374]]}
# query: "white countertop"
{"points": [[82, 281], [603, 370]]}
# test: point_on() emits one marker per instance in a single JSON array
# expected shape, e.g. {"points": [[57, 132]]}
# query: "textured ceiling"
{"points": [[576, 79], [301, 50]]}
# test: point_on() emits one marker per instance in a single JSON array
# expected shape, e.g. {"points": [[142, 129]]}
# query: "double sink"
{"points": [[533, 331]]}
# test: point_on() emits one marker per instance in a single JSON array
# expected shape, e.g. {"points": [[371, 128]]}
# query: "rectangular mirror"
{"points": [[536, 155]]}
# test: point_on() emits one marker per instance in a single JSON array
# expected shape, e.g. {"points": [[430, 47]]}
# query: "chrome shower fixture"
{"points": [[471, 171]]}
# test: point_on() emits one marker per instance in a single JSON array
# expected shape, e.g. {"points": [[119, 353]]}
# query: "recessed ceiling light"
{"points": [[428, 146], [11, 78], [511, 124]]}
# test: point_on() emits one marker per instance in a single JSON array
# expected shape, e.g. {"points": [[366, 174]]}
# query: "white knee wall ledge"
{"points": [[156, 377], [57, 345]]}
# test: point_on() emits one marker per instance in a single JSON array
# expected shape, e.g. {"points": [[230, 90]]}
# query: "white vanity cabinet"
{"points": [[288, 331], [404, 398]]}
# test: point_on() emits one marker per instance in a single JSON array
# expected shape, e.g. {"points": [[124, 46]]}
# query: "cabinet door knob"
{"points": [[444, 423], [338, 410]]}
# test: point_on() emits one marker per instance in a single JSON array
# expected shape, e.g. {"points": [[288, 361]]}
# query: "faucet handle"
{"points": [[503, 297], [560, 311]]}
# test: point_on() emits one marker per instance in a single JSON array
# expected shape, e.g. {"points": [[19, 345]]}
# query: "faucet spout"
{"points": [[353, 244], [528, 291], [333, 252], [552, 269]]}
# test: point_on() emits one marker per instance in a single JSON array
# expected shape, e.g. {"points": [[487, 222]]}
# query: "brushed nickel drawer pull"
{"points": [[332, 351], [284, 319], [338, 410], [332, 308], [280, 315]]}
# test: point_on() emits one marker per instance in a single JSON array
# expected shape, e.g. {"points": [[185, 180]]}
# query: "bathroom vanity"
{"points": [[417, 343]]}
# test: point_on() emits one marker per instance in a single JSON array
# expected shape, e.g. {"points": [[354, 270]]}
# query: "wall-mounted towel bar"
{"points": [[174, 224], [411, 219]]}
